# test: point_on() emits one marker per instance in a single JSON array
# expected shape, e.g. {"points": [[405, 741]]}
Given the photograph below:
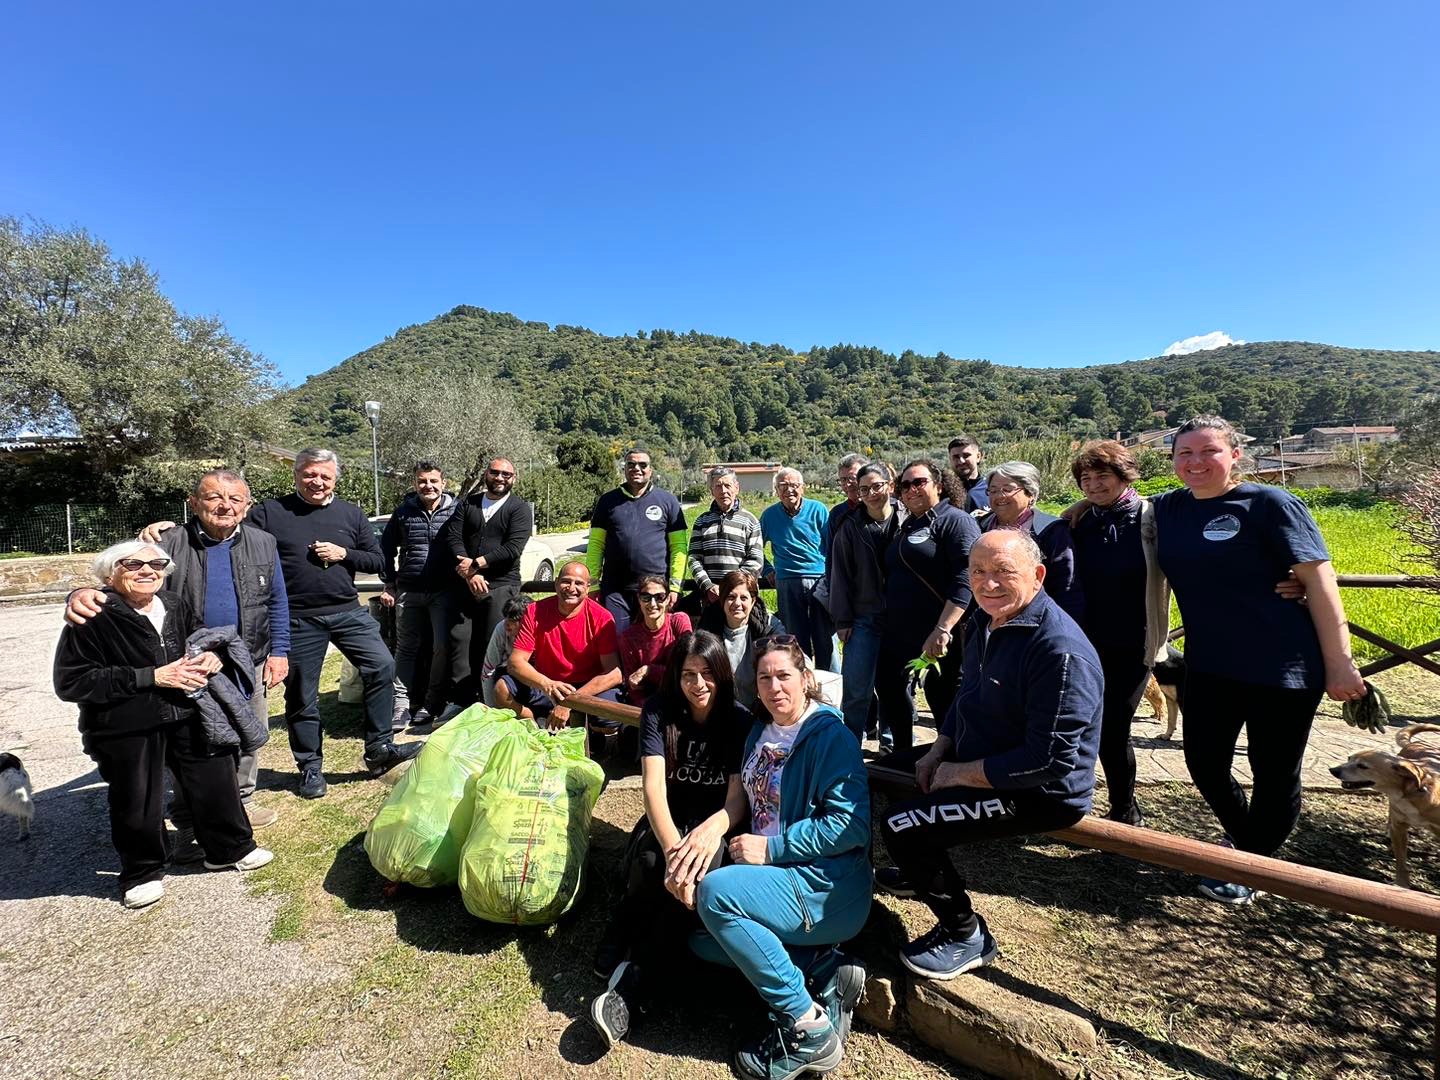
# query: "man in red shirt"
{"points": [[566, 645]]}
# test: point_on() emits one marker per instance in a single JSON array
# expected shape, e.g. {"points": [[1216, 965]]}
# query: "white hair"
{"points": [[316, 454], [103, 568], [1020, 541], [787, 471], [1022, 472]]}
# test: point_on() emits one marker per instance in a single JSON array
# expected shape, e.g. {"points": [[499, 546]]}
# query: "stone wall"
{"points": [[44, 573]]}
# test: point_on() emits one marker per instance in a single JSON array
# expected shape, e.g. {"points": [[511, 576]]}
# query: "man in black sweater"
{"points": [[485, 537], [323, 542]]}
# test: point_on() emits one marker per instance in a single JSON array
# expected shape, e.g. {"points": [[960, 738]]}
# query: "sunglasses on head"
{"points": [[782, 640], [136, 564]]}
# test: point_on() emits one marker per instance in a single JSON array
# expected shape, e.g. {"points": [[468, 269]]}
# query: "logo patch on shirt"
{"points": [[919, 536], [1221, 528], [654, 513]]}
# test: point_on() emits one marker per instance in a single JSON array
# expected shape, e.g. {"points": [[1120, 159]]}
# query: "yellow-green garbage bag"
{"points": [[418, 833], [523, 861]]}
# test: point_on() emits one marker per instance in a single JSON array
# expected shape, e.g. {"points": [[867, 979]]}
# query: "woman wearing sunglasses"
{"points": [[645, 645], [927, 589], [739, 619], [799, 880], [127, 670]]}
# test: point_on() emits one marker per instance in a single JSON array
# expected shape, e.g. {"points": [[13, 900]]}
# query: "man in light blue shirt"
{"points": [[797, 530]]}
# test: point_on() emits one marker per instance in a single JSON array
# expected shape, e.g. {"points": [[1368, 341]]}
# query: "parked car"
{"points": [[537, 562]]}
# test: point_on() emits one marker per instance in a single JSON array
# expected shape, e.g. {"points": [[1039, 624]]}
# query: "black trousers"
{"points": [[896, 703], [134, 768], [473, 621], [919, 833], [649, 919], [1125, 678], [1276, 722]]}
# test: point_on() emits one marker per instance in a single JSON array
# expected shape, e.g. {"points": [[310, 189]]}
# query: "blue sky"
{"points": [[1050, 183]]}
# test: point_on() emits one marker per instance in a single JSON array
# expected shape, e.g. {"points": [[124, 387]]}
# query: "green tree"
{"points": [[93, 349]]}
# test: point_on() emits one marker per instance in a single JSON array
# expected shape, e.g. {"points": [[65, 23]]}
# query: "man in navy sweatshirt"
{"points": [[1015, 755]]}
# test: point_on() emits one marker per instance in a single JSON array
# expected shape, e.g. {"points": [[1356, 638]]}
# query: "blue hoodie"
{"points": [[1029, 703], [824, 814]]}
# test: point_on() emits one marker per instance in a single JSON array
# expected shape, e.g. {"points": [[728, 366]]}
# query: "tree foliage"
{"points": [[90, 347]]}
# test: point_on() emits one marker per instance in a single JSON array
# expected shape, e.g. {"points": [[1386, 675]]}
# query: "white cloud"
{"points": [[1214, 340]]}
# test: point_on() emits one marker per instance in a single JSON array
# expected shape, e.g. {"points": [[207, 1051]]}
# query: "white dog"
{"points": [[15, 796]]}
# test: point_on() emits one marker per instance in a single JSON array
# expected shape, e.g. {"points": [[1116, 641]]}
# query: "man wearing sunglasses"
{"points": [[483, 540], [636, 529], [229, 572]]}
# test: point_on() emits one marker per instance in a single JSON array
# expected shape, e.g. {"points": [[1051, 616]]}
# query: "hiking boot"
{"points": [[388, 755], [839, 981], [257, 858], [944, 954], [791, 1048], [1228, 892], [615, 1006], [144, 894], [260, 816], [187, 849], [401, 720], [312, 781], [889, 879]]}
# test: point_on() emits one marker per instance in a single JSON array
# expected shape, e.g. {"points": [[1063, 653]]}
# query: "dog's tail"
{"points": [[1405, 735]]}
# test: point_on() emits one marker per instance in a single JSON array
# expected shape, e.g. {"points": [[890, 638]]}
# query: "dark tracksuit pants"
{"points": [[897, 703], [473, 621], [1276, 721], [919, 833], [649, 919], [133, 765], [1125, 679]]}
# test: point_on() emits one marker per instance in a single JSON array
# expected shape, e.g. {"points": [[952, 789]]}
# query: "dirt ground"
{"points": [[308, 968]]}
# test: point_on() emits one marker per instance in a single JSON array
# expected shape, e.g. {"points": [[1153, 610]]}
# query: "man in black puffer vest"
{"points": [[419, 591]]}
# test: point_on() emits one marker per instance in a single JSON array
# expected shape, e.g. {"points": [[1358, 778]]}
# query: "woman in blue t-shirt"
{"points": [[691, 735], [1253, 659]]}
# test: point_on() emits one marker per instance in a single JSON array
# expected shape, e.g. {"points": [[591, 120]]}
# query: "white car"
{"points": [[537, 562]]}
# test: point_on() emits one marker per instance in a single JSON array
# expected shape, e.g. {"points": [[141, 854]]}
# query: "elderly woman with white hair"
{"points": [[127, 670], [1014, 487]]}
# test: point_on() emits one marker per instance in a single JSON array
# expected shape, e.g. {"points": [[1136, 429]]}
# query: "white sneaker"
{"points": [[256, 859], [144, 894]]}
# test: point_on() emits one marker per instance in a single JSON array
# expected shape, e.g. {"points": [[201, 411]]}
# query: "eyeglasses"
{"points": [[136, 564], [641, 465], [501, 473], [789, 487], [914, 482], [656, 598], [1006, 491], [873, 489]]}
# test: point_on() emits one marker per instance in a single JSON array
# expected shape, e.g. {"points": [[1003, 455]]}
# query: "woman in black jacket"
{"points": [[127, 670], [1013, 489]]}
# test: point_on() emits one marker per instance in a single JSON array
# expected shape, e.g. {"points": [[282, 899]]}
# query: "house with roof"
{"points": [[1328, 438], [753, 475]]}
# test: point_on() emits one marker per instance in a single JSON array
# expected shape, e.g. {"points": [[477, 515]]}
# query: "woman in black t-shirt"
{"points": [[692, 735]]}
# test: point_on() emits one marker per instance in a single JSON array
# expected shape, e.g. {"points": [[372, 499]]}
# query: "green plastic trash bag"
{"points": [[523, 860], [417, 835]]}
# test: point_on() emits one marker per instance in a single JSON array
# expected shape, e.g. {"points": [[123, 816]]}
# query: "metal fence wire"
{"points": [[69, 528]]}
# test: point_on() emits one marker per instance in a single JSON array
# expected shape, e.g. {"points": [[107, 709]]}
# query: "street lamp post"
{"points": [[372, 413]]}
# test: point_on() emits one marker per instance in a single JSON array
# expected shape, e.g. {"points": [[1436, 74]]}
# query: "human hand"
{"points": [[84, 605], [208, 662], [327, 552], [750, 849], [687, 862], [463, 565], [925, 770], [672, 600], [769, 580], [387, 597], [1291, 588], [712, 594], [183, 674], [637, 676], [478, 585], [1343, 681], [558, 719], [844, 635], [938, 643], [557, 691], [151, 533], [276, 668]]}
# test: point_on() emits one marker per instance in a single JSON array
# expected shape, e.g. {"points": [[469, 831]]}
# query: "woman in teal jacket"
{"points": [[798, 883]]}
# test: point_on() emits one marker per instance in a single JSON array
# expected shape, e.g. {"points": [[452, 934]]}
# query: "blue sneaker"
{"points": [[790, 1049], [1229, 892], [839, 983], [942, 954]]}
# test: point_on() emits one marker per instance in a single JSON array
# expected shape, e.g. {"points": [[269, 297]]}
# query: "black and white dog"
{"points": [[15, 796]]}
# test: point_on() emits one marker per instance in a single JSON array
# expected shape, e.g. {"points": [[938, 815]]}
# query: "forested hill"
{"points": [[696, 393]]}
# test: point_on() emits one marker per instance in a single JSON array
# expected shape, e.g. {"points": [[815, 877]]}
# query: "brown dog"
{"points": [[1162, 689], [1409, 779]]}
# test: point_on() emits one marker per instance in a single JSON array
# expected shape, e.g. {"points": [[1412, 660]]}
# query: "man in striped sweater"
{"points": [[726, 537]]}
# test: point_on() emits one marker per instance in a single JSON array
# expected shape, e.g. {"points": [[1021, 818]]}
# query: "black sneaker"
{"points": [[889, 879], [1128, 815], [839, 983], [387, 756], [614, 1007], [792, 1048], [312, 781]]}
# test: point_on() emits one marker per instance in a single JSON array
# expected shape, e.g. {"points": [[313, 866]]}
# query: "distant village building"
{"points": [[1329, 438], [753, 475], [1163, 439]]}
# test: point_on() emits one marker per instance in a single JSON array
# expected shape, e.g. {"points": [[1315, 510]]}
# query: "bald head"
{"points": [[1007, 570]]}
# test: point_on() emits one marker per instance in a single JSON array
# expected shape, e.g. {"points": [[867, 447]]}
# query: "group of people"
{"points": [[1035, 634]]}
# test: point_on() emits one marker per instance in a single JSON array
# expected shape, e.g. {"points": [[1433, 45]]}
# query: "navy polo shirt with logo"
{"points": [[636, 535], [1223, 557]]}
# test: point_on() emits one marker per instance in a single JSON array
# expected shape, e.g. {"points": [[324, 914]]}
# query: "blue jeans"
{"points": [[756, 915], [357, 636], [862, 653], [807, 619]]}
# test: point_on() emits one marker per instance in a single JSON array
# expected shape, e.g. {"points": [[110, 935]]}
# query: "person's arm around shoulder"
{"points": [[83, 674]]}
